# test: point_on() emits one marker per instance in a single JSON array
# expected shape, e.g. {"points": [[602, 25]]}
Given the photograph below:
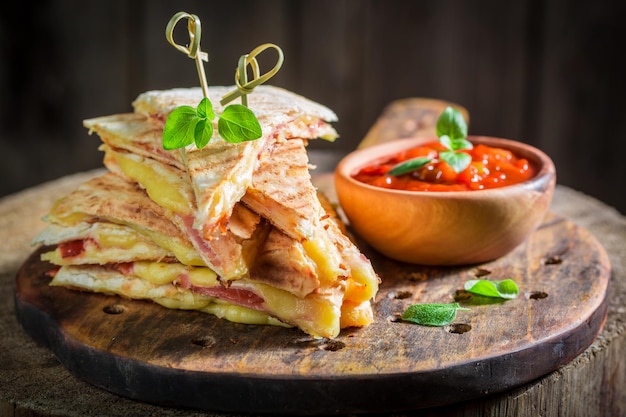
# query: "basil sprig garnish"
{"points": [[452, 132], [186, 125]]}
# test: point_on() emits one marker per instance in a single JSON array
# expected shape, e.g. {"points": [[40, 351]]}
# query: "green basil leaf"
{"points": [[238, 124], [457, 160], [431, 314], [451, 123], [459, 144], [205, 109], [409, 166], [446, 141], [455, 144], [179, 127], [203, 132], [506, 288]]}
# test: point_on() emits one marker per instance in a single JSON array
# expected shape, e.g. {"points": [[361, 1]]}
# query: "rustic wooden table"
{"points": [[34, 383]]}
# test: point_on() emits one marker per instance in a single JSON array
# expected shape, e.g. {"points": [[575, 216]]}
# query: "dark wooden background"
{"points": [[549, 73]]}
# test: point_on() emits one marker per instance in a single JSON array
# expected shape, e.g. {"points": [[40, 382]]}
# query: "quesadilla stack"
{"points": [[235, 230]]}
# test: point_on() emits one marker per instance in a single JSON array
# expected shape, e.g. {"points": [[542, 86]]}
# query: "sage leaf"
{"points": [[506, 288], [431, 314]]}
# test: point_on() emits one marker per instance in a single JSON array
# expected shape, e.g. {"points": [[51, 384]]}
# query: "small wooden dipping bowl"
{"points": [[444, 227]]}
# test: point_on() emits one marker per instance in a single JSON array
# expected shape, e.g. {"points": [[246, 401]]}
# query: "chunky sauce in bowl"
{"points": [[490, 168]]}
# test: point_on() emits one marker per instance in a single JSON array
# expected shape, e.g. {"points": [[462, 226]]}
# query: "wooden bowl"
{"points": [[444, 227]]}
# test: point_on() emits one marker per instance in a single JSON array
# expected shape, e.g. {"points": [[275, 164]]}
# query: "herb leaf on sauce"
{"points": [[452, 125], [409, 166], [452, 132]]}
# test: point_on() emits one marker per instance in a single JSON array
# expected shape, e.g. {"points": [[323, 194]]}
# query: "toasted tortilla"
{"points": [[282, 191], [274, 107], [134, 133], [120, 207]]}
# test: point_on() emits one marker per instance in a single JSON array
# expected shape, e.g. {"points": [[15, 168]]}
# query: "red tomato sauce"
{"points": [[490, 168]]}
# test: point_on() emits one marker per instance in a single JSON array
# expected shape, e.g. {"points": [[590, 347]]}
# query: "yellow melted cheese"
{"points": [[124, 243], [160, 273], [105, 242], [164, 184], [321, 251], [356, 314], [361, 286], [239, 314], [65, 218], [314, 310], [314, 314], [118, 240], [184, 252], [230, 312]]}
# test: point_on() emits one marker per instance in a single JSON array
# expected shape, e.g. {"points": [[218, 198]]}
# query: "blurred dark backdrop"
{"points": [[548, 73]]}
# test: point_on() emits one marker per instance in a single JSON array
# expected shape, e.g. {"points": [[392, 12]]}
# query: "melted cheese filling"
{"points": [[184, 252], [160, 273], [112, 242], [313, 312], [164, 184], [165, 191], [316, 314], [325, 257]]}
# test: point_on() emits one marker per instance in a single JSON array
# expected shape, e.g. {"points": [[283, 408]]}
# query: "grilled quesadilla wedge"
{"points": [[116, 131], [221, 172], [221, 252], [282, 191], [215, 176], [110, 219], [111, 237], [112, 200], [169, 187], [236, 230], [178, 286], [281, 113]]}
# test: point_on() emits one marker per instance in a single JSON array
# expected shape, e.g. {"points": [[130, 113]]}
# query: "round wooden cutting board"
{"points": [[193, 360]]}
